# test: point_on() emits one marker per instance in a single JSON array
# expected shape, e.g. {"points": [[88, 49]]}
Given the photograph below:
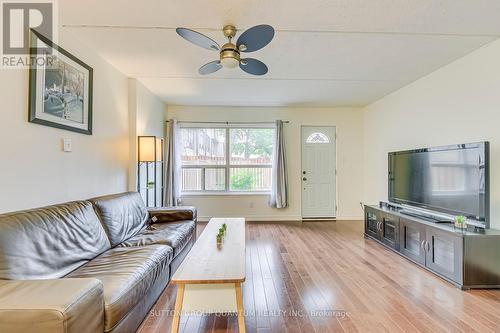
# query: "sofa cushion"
{"points": [[172, 214], [49, 242], [122, 215], [173, 234], [51, 306], [126, 274]]}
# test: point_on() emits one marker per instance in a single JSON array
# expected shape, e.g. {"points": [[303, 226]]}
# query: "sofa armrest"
{"points": [[171, 214], [56, 306]]}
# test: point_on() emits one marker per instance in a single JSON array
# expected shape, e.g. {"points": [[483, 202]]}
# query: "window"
{"points": [[317, 138], [226, 159]]}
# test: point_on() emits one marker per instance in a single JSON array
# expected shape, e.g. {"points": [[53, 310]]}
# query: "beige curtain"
{"points": [[173, 166], [279, 187]]}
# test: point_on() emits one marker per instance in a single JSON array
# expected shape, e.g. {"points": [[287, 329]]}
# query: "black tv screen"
{"points": [[449, 179]]}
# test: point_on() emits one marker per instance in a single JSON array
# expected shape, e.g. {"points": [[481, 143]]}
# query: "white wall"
{"points": [[33, 169], [146, 117], [349, 125], [458, 103]]}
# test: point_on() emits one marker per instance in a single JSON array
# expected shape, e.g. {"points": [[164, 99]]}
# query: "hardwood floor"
{"points": [[325, 277]]}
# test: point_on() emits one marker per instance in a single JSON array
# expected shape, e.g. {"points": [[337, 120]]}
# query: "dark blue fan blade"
{"points": [[253, 66], [256, 38], [198, 39], [209, 68]]}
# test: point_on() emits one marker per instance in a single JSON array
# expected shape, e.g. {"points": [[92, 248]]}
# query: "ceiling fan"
{"points": [[250, 40]]}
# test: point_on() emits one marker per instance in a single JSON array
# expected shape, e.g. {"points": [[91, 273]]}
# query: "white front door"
{"points": [[318, 172]]}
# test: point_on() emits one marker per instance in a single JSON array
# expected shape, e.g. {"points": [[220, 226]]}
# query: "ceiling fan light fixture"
{"points": [[242, 47], [229, 62], [229, 56]]}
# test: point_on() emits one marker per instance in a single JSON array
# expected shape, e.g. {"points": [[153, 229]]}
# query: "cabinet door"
{"points": [[372, 219], [390, 231], [412, 240], [444, 253]]}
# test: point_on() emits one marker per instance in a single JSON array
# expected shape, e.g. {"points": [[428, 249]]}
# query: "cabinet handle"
{"points": [[422, 245], [428, 246], [379, 227]]}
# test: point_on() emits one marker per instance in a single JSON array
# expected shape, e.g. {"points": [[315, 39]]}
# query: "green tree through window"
{"points": [[248, 142]]}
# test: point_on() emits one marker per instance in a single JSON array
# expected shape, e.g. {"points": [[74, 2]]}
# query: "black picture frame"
{"points": [[36, 110]]}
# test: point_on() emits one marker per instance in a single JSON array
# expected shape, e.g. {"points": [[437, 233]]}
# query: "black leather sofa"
{"points": [[96, 265]]}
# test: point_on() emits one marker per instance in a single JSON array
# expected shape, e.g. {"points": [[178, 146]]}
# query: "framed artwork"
{"points": [[60, 87]]}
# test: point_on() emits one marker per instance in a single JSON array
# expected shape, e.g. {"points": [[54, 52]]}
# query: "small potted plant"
{"points": [[219, 238], [224, 227], [151, 185], [460, 222], [221, 231]]}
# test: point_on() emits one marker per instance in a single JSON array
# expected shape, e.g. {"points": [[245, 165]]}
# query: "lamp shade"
{"points": [[147, 149], [150, 149]]}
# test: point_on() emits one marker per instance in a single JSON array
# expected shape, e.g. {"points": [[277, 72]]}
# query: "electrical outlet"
{"points": [[67, 145]]}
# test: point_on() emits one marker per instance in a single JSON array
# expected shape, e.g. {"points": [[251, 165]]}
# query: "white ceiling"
{"points": [[325, 52]]}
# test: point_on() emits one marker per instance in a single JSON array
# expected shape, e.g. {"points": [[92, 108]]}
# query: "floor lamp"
{"points": [[150, 153]]}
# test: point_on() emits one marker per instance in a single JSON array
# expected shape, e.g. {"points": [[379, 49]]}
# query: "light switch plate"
{"points": [[67, 145]]}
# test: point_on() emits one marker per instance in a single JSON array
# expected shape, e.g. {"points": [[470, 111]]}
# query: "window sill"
{"points": [[208, 194]]}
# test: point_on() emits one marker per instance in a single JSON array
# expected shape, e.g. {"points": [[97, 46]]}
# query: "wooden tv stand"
{"points": [[468, 259]]}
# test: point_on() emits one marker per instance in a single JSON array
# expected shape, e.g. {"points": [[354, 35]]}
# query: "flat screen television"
{"points": [[449, 179]]}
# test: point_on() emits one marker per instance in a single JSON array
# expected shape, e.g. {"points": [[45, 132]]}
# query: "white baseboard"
{"points": [[284, 218]]}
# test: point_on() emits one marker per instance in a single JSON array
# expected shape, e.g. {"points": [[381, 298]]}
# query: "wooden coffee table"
{"points": [[209, 279]]}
